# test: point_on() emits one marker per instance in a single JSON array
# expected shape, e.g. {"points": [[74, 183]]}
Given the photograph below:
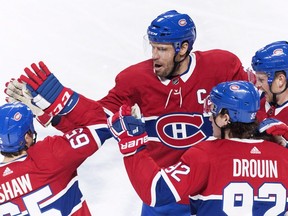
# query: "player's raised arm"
{"points": [[50, 101]]}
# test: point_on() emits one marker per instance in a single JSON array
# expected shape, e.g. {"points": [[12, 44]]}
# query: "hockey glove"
{"points": [[274, 127], [128, 128], [14, 91], [47, 92]]}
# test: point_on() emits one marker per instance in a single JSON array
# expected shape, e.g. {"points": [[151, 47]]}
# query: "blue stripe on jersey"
{"points": [[150, 128], [172, 209], [66, 202], [163, 193], [104, 133]]}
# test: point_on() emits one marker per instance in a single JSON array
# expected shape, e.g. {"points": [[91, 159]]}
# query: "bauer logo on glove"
{"points": [[133, 143]]}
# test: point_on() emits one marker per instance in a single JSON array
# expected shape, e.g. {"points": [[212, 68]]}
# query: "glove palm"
{"points": [[15, 91]]}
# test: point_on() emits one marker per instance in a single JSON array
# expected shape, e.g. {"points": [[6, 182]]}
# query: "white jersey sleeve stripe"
{"points": [[153, 189], [93, 130]]}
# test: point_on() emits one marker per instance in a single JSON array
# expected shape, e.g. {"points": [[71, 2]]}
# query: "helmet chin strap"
{"points": [[34, 137], [222, 129], [176, 65], [274, 102]]}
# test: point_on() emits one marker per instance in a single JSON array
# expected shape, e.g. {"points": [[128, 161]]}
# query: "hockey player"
{"points": [[41, 178], [170, 88], [234, 174], [271, 66]]}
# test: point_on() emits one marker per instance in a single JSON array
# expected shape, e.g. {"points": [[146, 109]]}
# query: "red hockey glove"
{"points": [[128, 128], [274, 127], [47, 92], [14, 91]]}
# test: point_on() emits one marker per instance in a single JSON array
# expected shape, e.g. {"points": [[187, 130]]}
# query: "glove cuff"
{"points": [[64, 103], [70, 104], [44, 119]]}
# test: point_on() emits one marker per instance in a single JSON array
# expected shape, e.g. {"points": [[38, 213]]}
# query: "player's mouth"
{"points": [[157, 67]]}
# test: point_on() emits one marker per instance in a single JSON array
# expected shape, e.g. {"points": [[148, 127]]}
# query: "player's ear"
{"points": [[281, 80], [28, 139], [184, 48], [226, 119], [222, 120]]}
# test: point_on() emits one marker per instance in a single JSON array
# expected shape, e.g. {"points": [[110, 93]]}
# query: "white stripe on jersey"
{"points": [[93, 129], [210, 197], [153, 190]]}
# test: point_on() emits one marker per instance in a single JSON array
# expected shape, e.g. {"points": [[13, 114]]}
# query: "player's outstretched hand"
{"points": [[128, 127], [274, 127], [14, 90], [47, 92]]}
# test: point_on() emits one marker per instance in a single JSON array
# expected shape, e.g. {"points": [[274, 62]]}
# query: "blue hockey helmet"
{"points": [[240, 98], [172, 27], [271, 59], [16, 119]]}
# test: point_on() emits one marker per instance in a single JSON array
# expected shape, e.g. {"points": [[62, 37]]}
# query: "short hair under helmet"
{"points": [[240, 98], [172, 27], [271, 58], [16, 119]]}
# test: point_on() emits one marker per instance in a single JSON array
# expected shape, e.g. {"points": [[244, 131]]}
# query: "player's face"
{"points": [[262, 84], [216, 130], [163, 58], [217, 121]]}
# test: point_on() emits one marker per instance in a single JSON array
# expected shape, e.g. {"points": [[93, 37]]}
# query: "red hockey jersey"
{"points": [[173, 109], [269, 111], [221, 177]]}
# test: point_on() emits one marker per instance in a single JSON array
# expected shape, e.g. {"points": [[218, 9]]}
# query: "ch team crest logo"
{"points": [[17, 116], [181, 130]]}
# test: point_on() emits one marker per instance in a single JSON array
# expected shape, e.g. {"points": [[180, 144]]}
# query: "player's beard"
{"points": [[176, 66], [172, 72]]}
